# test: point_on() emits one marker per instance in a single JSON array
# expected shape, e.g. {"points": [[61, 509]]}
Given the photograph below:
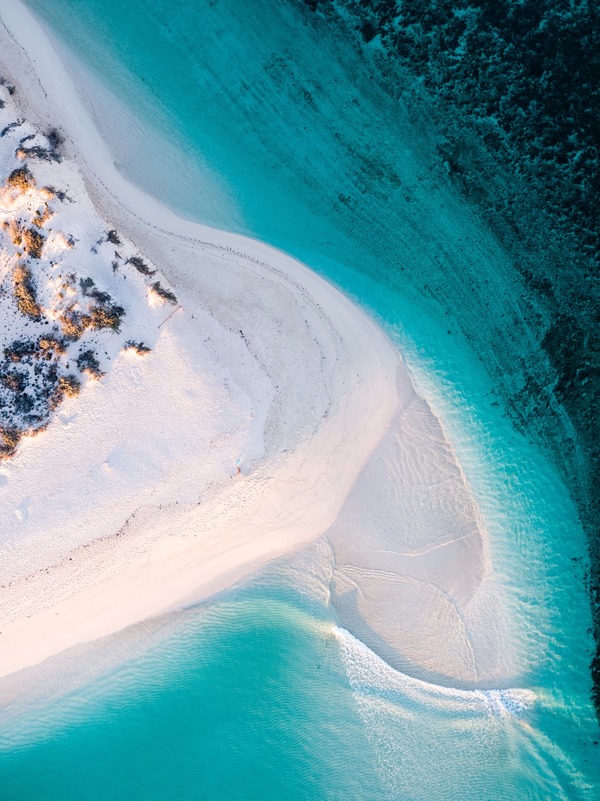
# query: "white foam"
{"points": [[421, 733], [370, 676]]}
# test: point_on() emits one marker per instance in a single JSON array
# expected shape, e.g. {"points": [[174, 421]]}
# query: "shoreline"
{"points": [[320, 390], [289, 497]]}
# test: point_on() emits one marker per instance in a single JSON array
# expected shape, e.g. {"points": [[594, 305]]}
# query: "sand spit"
{"points": [[238, 439], [235, 440]]}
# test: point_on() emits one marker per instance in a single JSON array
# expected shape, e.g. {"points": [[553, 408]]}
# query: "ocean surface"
{"points": [[288, 135]]}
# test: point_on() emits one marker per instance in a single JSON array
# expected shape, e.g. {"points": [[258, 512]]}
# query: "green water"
{"points": [[305, 150]]}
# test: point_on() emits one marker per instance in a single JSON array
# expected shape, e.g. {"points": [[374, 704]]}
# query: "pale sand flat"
{"points": [[268, 369]]}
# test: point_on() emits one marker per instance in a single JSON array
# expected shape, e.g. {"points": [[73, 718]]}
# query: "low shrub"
{"points": [[74, 323], [33, 242], [42, 216], [9, 439], [51, 344], [140, 265], [69, 385], [88, 363], [138, 347], [113, 237], [21, 179], [106, 317], [24, 292], [163, 293], [13, 380], [19, 350]]}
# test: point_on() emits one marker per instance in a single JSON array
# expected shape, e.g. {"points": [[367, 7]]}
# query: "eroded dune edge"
{"points": [[263, 413]]}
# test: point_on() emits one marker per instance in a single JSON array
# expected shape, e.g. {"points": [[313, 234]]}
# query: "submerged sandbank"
{"points": [[270, 392]]}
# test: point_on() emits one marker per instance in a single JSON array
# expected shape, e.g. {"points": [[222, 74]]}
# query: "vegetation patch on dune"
{"points": [[63, 282], [25, 294], [137, 347], [21, 179], [163, 294], [88, 363], [68, 386], [140, 265], [33, 242], [9, 439]]}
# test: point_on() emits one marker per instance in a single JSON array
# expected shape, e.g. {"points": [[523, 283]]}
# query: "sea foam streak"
{"points": [[371, 676], [441, 742]]}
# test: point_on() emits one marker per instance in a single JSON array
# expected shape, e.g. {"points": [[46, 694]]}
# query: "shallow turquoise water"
{"points": [[241, 702], [309, 154], [256, 699]]}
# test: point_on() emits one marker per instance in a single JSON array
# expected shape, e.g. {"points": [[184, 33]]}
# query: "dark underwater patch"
{"points": [[517, 91]]}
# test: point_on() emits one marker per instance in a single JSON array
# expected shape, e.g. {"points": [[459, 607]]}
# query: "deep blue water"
{"points": [[287, 136]]}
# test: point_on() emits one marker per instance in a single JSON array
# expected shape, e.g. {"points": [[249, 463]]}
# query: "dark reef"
{"points": [[516, 86]]}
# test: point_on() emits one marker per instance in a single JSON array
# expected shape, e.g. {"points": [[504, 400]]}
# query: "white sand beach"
{"points": [[271, 412]]}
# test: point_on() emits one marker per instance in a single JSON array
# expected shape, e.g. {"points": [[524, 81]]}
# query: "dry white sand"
{"points": [[241, 438]]}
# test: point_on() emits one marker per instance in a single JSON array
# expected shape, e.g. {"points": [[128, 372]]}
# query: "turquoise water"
{"points": [[240, 702], [306, 151], [256, 699]]}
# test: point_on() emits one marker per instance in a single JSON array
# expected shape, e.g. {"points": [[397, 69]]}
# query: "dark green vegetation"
{"points": [[33, 242], [140, 265], [516, 92], [48, 151], [103, 313], [30, 386], [137, 347], [33, 383], [88, 363], [33, 377], [163, 293]]}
